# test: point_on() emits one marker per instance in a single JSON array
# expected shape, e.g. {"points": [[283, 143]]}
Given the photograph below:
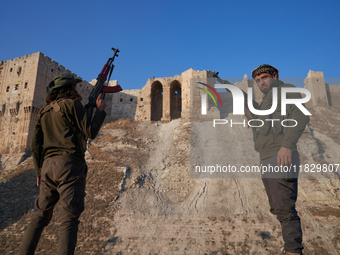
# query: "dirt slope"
{"points": [[141, 198], [164, 211]]}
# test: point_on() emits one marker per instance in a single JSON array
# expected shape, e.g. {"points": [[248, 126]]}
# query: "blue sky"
{"points": [[165, 38]]}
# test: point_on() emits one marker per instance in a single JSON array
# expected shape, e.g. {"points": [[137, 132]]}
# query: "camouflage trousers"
{"points": [[282, 191], [62, 179]]}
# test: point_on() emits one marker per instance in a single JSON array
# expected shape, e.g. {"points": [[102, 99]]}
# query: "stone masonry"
{"points": [[23, 88], [161, 99], [168, 98], [322, 94]]}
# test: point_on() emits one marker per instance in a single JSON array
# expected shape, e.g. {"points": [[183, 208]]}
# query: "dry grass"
{"points": [[18, 191], [99, 155], [327, 121], [125, 148], [128, 125], [102, 189], [325, 211]]}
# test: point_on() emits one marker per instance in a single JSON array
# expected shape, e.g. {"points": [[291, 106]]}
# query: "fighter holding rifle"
{"points": [[58, 150]]}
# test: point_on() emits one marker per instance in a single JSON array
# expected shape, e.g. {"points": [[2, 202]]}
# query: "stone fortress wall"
{"points": [[323, 94], [23, 88], [164, 99], [160, 99]]}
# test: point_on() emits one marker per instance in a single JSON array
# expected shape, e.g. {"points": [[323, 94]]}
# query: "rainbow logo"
{"points": [[213, 90]]}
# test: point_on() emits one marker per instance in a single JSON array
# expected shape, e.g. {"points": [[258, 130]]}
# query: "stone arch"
{"points": [[175, 99], [156, 101]]}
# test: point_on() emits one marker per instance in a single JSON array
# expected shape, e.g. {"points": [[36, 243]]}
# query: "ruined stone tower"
{"points": [[23, 89]]}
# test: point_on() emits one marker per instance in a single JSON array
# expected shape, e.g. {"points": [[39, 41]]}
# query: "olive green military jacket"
{"points": [[57, 135], [269, 138]]}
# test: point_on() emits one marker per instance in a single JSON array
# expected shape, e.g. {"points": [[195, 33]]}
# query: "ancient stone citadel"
{"points": [[24, 80], [23, 83]]}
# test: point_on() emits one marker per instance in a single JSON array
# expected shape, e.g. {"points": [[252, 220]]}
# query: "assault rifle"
{"points": [[100, 86], [215, 75]]}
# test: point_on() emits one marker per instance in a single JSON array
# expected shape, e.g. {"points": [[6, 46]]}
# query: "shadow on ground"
{"points": [[17, 196]]}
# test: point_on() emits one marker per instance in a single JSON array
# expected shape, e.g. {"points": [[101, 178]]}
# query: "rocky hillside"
{"points": [[141, 198]]}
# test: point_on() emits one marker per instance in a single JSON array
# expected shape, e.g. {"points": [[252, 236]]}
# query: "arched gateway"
{"points": [[156, 101], [175, 100]]}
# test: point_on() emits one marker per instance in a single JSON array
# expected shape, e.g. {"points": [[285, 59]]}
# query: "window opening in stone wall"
{"points": [[7, 89], [175, 100], [52, 70], [26, 84], [16, 87], [11, 69], [141, 99], [131, 99], [156, 101], [121, 100]]}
